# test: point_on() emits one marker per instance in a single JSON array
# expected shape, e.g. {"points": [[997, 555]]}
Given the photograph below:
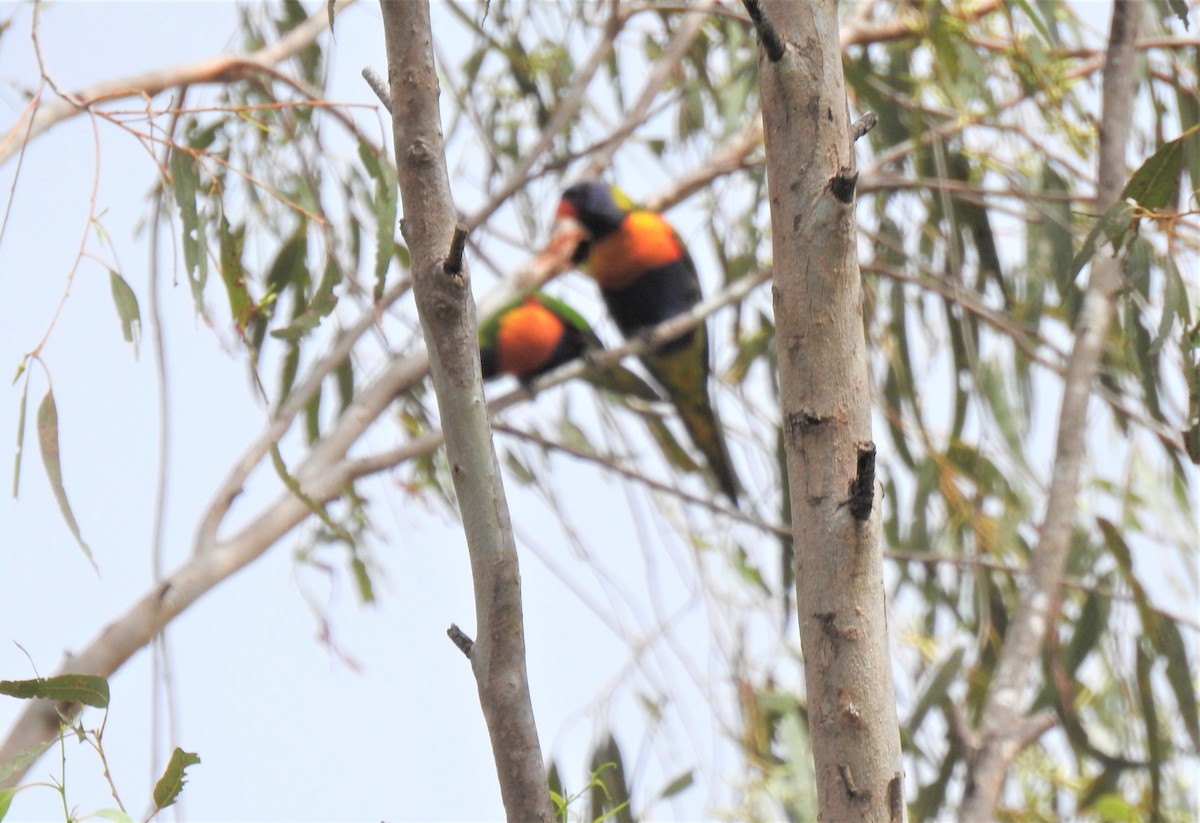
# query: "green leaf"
{"points": [[1168, 642], [1113, 808], [321, 305], [23, 759], [1180, 9], [558, 794], [938, 689], [1114, 224], [312, 417], [288, 268], [623, 383], [74, 688], [185, 174], [610, 791], [1175, 305], [1089, 629], [749, 572], [287, 376], [345, 384], [241, 306], [1154, 742], [362, 579], [675, 453], [168, 787], [127, 309], [1161, 631], [20, 437], [385, 213], [47, 423], [112, 814], [1050, 240], [678, 785], [1155, 184]]}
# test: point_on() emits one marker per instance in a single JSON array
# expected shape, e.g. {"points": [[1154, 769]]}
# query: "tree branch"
{"points": [[222, 69], [1001, 735], [447, 312]]}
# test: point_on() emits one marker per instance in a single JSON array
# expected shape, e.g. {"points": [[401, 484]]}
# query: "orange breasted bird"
{"points": [[646, 277], [531, 336], [536, 333]]}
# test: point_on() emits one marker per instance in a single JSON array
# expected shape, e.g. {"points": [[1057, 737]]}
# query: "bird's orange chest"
{"points": [[526, 337], [645, 241]]}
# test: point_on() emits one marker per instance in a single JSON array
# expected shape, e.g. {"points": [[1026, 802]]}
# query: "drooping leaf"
{"points": [[1089, 629], [610, 792], [241, 306], [20, 437], [1168, 642], [385, 203], [127, 309], [558, 793], [938, 690], [1154, 742], [312, 417], [185, 176], [318, 308], [345, 384], [362, 579], [47, 424]]}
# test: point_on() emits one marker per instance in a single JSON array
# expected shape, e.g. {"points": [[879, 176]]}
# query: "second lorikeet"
{"points": [[535, 333], [646, 277], [532, 335]]}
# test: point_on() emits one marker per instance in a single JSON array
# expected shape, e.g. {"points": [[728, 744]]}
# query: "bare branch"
{"points": [[447, 315], [222, 69]]}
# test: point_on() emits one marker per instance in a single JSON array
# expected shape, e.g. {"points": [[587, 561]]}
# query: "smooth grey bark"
{"points": [[825, 396], [441, 288], [1005, 727]]}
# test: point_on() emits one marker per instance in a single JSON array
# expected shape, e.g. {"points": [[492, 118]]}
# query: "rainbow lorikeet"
{"points": [[535, 333], [646, 277]]}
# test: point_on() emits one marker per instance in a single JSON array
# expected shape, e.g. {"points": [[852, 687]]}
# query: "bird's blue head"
{"points": [[598, 207]]}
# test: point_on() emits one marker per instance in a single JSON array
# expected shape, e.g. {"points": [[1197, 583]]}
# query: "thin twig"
{"points": [[212, 70]]}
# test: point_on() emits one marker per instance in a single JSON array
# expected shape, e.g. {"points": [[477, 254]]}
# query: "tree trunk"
{"points": [[825, 397], [441, 287]]}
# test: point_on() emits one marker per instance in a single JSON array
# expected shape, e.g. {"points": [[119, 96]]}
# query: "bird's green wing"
{"points": [[570, 317], [683, 373]]}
